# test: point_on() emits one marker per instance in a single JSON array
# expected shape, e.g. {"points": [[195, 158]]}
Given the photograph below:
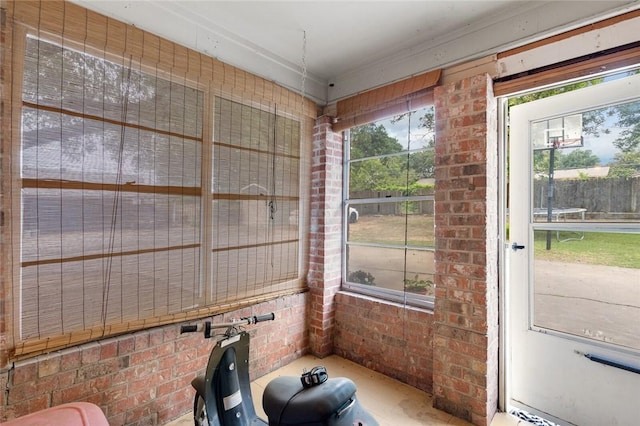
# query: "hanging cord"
{"points": [[116, 201], [273, 203], [304, 71]]}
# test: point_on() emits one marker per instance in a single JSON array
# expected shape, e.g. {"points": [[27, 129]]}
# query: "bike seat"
{"points": [[287, 402]]}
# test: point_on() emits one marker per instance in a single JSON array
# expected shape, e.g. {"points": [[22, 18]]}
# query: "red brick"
{"points": [[109, 350], [48, 366], [71, 360], [461, 263], [25, 373], [90, 353]]}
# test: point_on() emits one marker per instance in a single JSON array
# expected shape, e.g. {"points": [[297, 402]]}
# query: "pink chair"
{"points": [[72, 414]]}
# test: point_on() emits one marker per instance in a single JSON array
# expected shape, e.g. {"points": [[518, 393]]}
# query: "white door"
{"points": [[573, 288]]}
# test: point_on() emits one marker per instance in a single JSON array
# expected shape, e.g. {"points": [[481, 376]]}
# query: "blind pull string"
{"points": [[304, 72], [116, 199], [273, 203]]}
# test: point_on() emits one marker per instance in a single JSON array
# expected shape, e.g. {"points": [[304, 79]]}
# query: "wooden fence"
{"points": [[606, 198]]}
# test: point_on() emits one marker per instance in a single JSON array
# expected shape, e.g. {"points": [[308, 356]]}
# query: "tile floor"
{"points": [[391, 402]]}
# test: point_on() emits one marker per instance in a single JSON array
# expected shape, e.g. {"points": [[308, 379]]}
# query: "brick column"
{"points": [[465, 366], [325, 235]]}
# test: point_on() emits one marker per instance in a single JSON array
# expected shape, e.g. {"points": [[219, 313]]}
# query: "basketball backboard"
{"points": [[561, 132]]}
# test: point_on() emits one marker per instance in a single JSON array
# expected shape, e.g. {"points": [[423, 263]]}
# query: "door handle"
{"points": [[516, 246]]}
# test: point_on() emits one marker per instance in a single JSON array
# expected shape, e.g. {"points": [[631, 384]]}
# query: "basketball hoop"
{"points": [[557, 133]]}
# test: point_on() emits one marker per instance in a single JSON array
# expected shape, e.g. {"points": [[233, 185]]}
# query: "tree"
{"points": [[578, 158], [423, 163], [379, 173], [372, 140], [629, 118], [625, 164]]}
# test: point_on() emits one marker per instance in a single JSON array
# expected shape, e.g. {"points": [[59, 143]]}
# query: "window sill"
{"points": [[409, 303]]}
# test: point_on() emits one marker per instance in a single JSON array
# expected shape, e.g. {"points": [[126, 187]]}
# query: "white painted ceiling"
{"points": [[345, 47]]}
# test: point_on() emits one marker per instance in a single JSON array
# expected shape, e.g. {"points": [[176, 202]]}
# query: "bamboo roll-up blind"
{"points": [[127, 211], [381, 102], [111, 177], [255, 197]]}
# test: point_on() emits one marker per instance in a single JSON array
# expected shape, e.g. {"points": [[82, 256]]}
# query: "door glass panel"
{"points": [[590, 287], [586, 224]]}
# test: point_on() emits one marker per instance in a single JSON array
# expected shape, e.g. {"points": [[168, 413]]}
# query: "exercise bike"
{"points": [[223, 394]]}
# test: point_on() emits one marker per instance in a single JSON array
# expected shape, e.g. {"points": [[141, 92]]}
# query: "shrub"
{"points": [[361, 277]]}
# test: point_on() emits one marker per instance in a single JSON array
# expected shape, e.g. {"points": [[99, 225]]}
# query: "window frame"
{"points": [[396, 296]]}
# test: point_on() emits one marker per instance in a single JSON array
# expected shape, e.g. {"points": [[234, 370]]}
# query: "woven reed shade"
{"points": [[111, 184], [256, 156], [150, 184], [392, 99]]}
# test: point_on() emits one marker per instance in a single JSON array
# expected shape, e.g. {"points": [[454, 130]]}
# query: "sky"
{"points": [[400, 130]]}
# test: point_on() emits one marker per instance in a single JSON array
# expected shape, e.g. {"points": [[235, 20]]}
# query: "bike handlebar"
{"points": [[207, 326], [188, 328], [260, 318]]}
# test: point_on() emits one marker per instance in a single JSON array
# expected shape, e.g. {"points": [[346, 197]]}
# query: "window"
{"points": [[255, 194], [128, 218], [389, 208]]}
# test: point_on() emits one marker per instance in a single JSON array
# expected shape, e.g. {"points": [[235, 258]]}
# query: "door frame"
{"points": [[505, 387]]}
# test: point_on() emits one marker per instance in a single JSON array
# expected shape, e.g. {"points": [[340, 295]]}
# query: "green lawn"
{"points": [[597, 248]]}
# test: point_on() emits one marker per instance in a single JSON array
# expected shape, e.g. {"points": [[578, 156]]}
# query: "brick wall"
{"points": [[386, 337], [465, 331], [144, 378], [325, 251]]}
